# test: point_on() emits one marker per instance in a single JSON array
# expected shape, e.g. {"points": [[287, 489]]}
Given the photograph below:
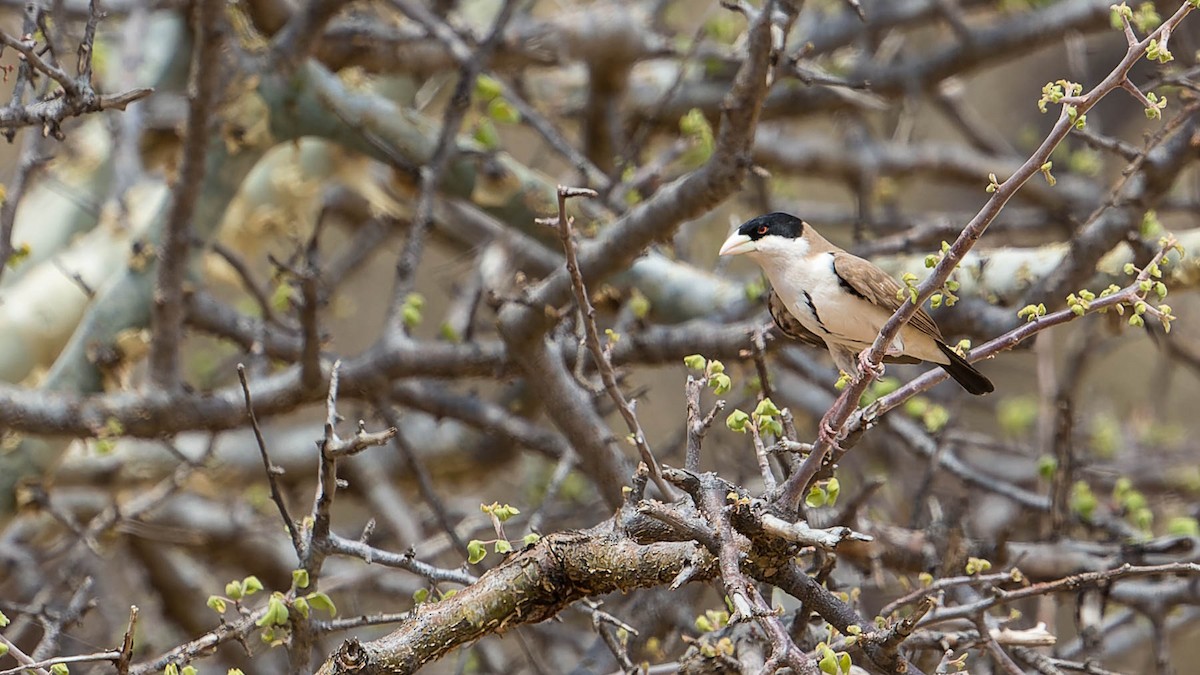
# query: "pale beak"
{"points": [[737, 244]]}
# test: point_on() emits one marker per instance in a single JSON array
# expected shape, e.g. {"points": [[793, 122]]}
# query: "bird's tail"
{"points": [[964, 373]]}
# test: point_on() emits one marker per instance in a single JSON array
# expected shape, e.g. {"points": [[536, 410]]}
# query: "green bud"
{"points": [[766, 409], [721, 384], [1082, 500], [737, 421], [475, 551], [487, 87], [502, 111], [1046, 466], [301, 607], [322, 602], [816, 497]]}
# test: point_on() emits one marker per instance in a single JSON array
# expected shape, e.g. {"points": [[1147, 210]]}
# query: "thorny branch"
{"points": [[469, 404], [1073, 106], [600, 357]]}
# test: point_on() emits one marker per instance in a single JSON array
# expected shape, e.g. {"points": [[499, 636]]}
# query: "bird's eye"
{"points": [[762, 229]]}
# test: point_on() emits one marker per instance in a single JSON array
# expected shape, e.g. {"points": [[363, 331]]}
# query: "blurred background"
{"points": [[367, 189]]}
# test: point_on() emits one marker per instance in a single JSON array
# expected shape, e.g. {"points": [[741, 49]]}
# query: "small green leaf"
{"points": [[531, 538], [1183, 526], [216, 603], [281, 297], [978, 566], [505, 512], [486, 135], [832, 490], [816, 497], [1046, 466], [300, 578], [766, 408], [721, 384], [1045, 169], [1082, 500], [301, 607], [502, 546], [411, 310], [62, 669], [487, 87], [4, 620], [476, 551], [276, 614], [828, 663], [639, 304], [694, 362], [737, 421], [251, 585], [233, 590], [502, 111], [322, 602], [421, 595]]}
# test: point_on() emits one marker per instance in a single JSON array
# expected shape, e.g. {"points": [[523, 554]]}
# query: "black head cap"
{"points": [[779, 224]]}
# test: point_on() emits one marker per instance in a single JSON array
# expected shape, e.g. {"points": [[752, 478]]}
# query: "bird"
{"points": [[823, 294]]}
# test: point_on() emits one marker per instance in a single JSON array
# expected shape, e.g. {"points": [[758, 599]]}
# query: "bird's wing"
{"points": [[788, 325], [867, 281]]}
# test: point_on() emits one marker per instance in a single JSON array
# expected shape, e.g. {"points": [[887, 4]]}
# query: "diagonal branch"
{"points": [[592, 339], [1073, 107]]}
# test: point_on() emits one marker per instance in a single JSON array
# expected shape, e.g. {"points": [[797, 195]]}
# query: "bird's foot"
{"points": [[826, 433], [865, 366]]}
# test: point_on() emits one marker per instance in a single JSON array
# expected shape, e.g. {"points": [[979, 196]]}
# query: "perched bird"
{"points": [[821, 293]]}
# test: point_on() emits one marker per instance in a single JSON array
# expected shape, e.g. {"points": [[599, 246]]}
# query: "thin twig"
{"points": [[603, 364], [271, 470]]}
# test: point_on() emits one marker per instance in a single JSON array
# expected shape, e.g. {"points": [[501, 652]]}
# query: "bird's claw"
{"points": [[865, 366], [827, 434]]}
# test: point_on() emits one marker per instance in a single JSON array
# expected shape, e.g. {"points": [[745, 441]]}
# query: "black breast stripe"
{"points": [[813, 308]]}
